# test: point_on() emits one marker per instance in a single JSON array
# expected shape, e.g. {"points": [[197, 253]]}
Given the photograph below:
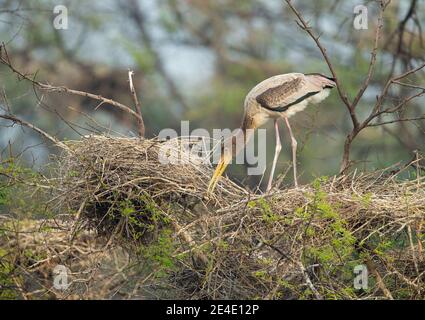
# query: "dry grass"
{"points": [[289, 244]]}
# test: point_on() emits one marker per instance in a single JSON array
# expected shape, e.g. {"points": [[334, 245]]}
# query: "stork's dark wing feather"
{"points": [[281, 97]]}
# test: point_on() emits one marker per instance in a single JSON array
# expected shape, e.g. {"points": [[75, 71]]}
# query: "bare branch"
{"points": [[374, 52], [376, 110], [21, 122], [136, 104], [396, 121], [4, 59], [304, 25], [409, 85]]}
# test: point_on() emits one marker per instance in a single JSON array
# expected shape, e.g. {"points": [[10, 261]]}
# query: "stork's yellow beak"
{"points": [[221, 167]]}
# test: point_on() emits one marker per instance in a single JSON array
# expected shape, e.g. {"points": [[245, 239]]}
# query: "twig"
{"points": [[372, 63], [137, 106], [396, 121], [380, 283], [302, 268], [308, 281], [36, 129], [376, 110]]}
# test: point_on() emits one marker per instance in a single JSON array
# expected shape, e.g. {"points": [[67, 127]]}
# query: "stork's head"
{"points": [[229, 149], [321, 80], [226, 155]]}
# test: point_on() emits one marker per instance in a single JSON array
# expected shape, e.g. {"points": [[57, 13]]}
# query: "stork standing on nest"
{"points": [[277, 97]]}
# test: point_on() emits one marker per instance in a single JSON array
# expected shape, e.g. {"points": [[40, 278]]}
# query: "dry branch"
{"points": [[137, 105], [24, 123], [303, 24], [5, 60]]}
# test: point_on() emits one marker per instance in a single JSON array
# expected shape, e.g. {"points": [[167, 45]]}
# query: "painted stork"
{"points": [[277, 97]]}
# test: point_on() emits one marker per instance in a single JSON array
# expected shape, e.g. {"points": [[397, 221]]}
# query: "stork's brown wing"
{"points": [[282, 96]]}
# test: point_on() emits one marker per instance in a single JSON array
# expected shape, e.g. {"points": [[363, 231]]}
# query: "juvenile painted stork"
{"points": [[277, 97]]}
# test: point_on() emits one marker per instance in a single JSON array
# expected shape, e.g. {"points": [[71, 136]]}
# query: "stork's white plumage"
{"points": [[277, 97]]}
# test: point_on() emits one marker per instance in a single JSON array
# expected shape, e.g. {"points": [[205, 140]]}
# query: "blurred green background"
{"points": [[196, 60]]}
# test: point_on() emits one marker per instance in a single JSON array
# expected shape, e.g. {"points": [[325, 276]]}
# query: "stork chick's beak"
{"points": [[221, 167]]}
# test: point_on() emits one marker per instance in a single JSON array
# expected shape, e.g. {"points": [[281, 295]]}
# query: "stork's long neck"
{"points": [[241, 136], [232, 147]]}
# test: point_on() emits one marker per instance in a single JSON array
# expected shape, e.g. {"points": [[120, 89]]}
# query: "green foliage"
{"points": [[3, 195], [338, 255], [140, 214], [133, 220], [21, 191], [149, 228], [262, 275], [7, 281], [160, 253]]}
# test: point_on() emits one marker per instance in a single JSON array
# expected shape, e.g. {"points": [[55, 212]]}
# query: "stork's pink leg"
{"points": [[276, 154], [294, 151]]}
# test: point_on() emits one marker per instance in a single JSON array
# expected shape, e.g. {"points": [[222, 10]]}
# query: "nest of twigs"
{"points": [[307, 243], [104, 178]]}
